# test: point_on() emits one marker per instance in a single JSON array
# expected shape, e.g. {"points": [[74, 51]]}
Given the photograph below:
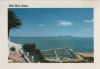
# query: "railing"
{"points": [[18, 47], [25, 56], [30, 58]]}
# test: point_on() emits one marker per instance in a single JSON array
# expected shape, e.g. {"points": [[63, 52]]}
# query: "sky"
{"points": [[41, 22]]}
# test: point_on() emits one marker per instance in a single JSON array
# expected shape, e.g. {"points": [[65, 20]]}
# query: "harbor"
{"points": [[60, 55], [56, 55]]}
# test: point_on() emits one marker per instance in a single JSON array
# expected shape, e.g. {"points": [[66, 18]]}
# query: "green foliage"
{"points": [[12, 49], [33, 51], [89, 58], [39, 56], [13, 21], [29, 48]]}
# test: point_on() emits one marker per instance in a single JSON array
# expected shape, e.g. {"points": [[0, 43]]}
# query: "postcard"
{"points": [[49, 34]]}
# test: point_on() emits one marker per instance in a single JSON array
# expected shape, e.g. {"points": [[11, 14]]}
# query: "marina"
{"points": [[58, 55]]}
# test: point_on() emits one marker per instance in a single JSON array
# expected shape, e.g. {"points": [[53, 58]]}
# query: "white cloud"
{"points": [[42, 25], [64, 23], [88, 21]]}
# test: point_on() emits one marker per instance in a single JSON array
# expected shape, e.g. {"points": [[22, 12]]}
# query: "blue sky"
{"points": [[39, 22]]}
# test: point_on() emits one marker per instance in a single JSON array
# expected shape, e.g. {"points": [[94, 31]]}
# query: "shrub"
{"points": [[33, 51]]}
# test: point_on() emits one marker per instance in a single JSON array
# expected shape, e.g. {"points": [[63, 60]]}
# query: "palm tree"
{"points": [[13, 21]]}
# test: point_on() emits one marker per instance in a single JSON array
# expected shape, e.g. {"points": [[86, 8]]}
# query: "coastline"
{"points": [[91, 54]]}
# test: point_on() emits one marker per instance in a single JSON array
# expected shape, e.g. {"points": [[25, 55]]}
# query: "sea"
{"points": [[79, 44]]}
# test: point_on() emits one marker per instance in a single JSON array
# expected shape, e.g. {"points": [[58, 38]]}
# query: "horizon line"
{"points": [[55, 36]]}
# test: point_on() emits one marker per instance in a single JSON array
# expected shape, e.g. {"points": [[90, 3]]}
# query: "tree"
{"points": [[29, 48], [33, 51], [13, 21], [39, 56]]}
